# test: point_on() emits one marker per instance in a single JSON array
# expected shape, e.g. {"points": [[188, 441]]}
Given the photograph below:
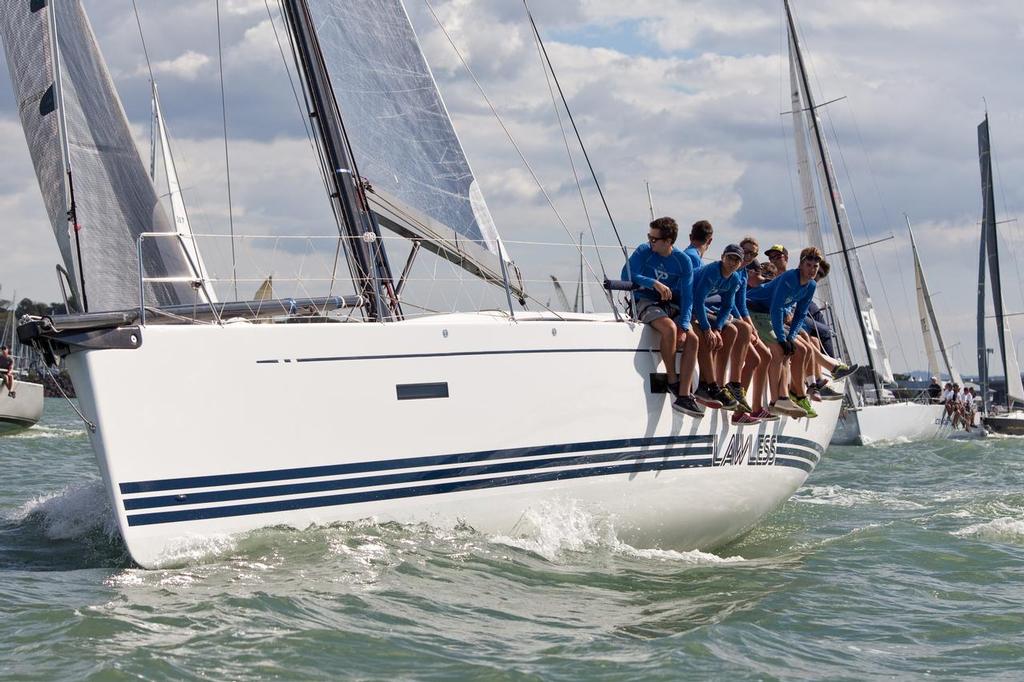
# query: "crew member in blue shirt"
{"points": [[701, 235], [664, 277], [717, 335]]}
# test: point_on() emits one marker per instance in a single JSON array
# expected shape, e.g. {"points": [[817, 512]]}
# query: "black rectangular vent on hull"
{"points": [[422, 391]]}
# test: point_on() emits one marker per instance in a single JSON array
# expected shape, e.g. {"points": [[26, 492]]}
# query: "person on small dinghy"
{"points": [[7, 370]]}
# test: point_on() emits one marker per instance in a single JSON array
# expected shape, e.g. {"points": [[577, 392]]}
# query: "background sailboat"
{"points": [[871, 416], [26, 409], [1010, 421]]}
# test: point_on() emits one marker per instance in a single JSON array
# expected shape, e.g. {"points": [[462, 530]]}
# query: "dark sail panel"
{"points": [[114, 197]]}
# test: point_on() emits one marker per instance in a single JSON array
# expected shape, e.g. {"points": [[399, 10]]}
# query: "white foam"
{"points": [[839, 496], [555, 528], [71, 513], [1003, 529]]}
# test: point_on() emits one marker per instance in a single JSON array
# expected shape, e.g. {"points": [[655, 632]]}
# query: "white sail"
{"points": [[929, 322], [178, 212]]}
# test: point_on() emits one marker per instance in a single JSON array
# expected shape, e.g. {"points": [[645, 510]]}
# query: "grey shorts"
{"points": [[648, 311], [763, 325]]}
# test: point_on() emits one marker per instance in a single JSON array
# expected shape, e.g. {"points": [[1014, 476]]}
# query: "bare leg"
{"points": [[760, 375], [739, 351], [798, 369], [666, 328], [729, 340], [691, 344], [706, 360], [776, 373]]}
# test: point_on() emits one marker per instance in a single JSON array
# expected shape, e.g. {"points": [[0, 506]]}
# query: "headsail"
{"points": [[840, 221], [403, 141], [95, 187], [929, 323], [990, 250]]}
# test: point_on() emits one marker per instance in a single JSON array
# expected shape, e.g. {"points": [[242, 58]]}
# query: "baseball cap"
{"points": [[779, 248], [732, 250]]}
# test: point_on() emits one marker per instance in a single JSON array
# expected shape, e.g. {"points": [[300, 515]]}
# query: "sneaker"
{"points": [[740, 395], [687, 405], [828, 394], [743, 418], [804, 404], [707, 395], [813, 396], [784, 407], [673, 389], [14, 394], [725, 397], [764, 415], [843, 371]]}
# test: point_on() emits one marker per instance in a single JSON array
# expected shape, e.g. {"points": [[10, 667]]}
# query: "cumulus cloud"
{"points": [[685, 94]]}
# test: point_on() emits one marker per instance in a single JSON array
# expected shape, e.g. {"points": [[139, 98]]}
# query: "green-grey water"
{"points": [[905, 561]]}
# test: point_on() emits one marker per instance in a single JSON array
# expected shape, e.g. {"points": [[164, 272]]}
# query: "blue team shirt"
{"points": [[674, 271], [783, 293], [694, 255], [709, 281], [739, 309]]}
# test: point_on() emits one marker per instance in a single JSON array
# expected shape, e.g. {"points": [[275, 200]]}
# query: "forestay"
{"points": [[402, 138], [75, 125]]}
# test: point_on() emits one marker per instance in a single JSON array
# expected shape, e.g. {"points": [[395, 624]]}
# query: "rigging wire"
{"points": [[576, 129], [508, 133], [227, 155]]}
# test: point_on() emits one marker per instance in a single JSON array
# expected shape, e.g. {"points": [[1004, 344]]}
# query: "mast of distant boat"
{"points": [[832, 192]]}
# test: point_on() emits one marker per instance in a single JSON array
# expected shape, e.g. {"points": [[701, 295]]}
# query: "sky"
{"points": [[687, 95]]}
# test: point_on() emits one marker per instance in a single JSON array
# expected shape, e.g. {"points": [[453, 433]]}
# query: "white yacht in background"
{"points": [[25, 408], [869, 417], [474, 416]]}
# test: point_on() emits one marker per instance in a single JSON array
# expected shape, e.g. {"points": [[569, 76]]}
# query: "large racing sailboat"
{"points": [[870, 417], [1009, 421], [476, 416]]}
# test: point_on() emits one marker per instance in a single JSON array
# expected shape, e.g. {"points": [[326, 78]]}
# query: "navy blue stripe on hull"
{"points": [[405, 463], [399, 493], [404, 477]]}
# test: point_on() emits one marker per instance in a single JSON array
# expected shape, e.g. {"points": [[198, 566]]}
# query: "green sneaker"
{"points": [[804, 404], [740, 395]]}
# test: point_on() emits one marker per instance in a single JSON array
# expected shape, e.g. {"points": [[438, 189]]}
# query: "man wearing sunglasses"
{"points": [[664, 301], [717, 335]]}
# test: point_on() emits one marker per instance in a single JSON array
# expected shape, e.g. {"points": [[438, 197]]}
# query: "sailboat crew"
{"points": [[664, 275], [717, 335], [7, 370], [749, 362], [701, 235]]}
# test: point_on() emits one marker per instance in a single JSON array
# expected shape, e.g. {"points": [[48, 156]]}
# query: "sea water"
{"points": [[902, 561]]}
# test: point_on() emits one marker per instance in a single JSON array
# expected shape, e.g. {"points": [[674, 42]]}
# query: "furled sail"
{"points": [[930, 323], [86, 160], [839, 219], [405, 146], [990, 250]]}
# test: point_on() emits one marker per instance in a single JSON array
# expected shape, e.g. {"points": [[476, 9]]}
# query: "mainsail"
{"points": [[95, 187], [838, 218], [990, 251], [929, 323], [405, 146]]}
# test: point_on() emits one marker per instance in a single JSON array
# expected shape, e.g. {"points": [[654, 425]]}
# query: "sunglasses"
{"points": [[654, 240], [750, 254], [732, 256]]}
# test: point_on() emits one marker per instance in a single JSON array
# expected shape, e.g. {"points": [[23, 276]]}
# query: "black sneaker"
{"points": [[843, 371], [707, 395], [725, 397], [740, 395], [828, 394], [673, 389], [687, 405]]}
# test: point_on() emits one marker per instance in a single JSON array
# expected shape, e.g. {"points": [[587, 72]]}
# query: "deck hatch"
{"points": [[422, 391]]}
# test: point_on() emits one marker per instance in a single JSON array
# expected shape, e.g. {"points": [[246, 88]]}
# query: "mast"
{"points": [[990, 250], [364, 248], [982, 349], [830, 186]]}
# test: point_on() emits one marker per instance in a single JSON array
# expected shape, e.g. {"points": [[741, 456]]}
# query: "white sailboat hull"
{"points": [[212, 430], [22, 412], [895, 423]]}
